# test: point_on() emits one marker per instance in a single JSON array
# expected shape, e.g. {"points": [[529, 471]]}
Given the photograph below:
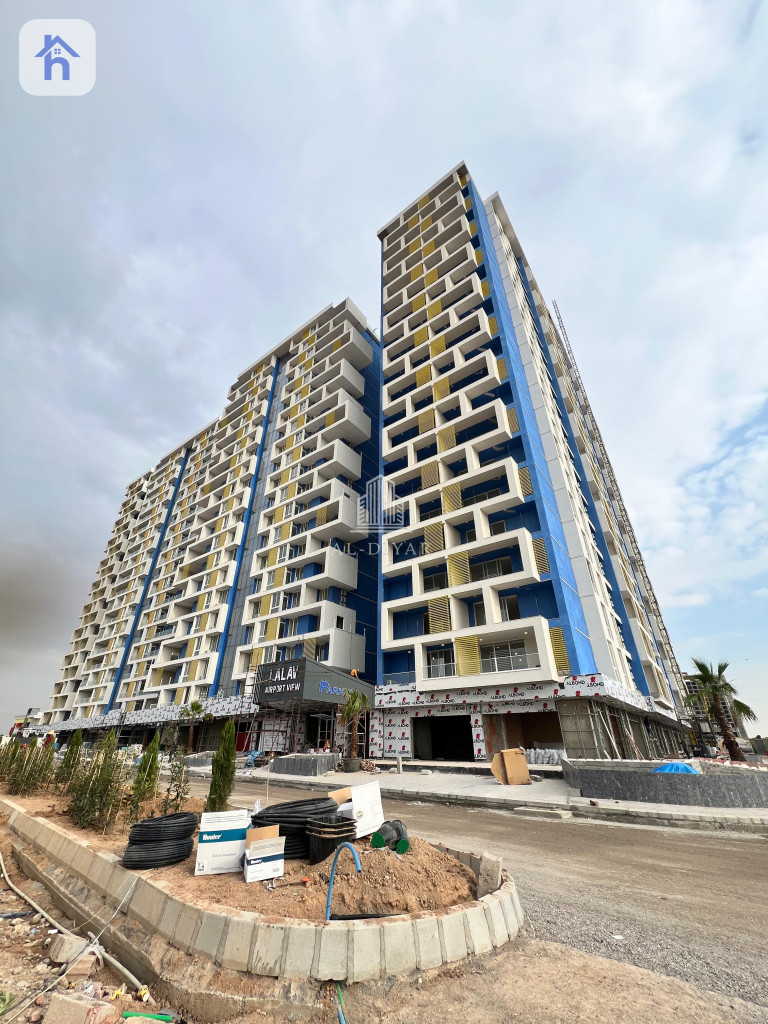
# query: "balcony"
{"points": [[495, 663]]}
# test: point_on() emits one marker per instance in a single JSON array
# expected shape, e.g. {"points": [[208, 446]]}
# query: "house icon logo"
{"points": [[51, 51], [57, 57]]}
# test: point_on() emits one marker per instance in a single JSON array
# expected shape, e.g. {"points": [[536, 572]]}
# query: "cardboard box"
{"points": [[363, 803], [264, 854], [221, 842], [510, 768]]}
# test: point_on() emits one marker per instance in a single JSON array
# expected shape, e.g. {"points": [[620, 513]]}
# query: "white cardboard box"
{"points": [[264, 854], [221, 842], [363, 803]]}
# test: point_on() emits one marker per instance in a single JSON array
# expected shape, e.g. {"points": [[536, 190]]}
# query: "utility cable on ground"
{"points": [[65, 931]]}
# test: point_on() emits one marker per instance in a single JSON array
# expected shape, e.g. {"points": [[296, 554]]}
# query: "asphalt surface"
{"points": [[689, 904]]}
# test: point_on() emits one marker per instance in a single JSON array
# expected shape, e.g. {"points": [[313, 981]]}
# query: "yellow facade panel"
{"points": [[439, 613], [467, 650], [559, 649]]}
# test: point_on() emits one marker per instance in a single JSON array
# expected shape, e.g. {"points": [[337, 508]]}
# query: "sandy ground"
{"points": [[545, 983], [25, 969]]}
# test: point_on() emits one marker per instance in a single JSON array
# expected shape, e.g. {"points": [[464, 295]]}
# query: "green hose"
{"points": [[150, 1016]]}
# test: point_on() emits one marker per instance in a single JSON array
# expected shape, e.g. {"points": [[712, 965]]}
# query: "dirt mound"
{"points": [[421, 879]]}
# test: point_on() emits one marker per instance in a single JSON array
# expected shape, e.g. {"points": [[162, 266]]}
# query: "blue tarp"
{"points": [[677, 766]]}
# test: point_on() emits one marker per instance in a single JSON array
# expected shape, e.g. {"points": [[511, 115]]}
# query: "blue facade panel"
{"points": [[570, 615]]}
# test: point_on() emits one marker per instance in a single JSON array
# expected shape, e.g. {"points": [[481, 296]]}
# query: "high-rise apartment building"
{"points": [[235, 549], [516, 610], [433, 513]]}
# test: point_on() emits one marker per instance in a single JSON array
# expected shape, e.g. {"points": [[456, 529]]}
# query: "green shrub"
{"points": [[19, 770], [31, 769], [177, 793]]}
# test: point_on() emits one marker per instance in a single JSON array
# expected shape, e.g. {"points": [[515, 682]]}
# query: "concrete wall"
{"points": [[304, 764], [729, 788]]}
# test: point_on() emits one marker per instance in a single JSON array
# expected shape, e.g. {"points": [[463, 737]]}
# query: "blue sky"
{"points": [[226, 178]]}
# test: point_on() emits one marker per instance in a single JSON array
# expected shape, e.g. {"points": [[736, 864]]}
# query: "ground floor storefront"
{"points": [[585, 717]]}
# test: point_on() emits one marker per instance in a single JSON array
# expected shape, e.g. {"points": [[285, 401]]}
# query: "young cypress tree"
{"points": [[145, 783], [8, 755], [222, 770], [19, 769], [45, 766], [66, 769], [96, 789]]}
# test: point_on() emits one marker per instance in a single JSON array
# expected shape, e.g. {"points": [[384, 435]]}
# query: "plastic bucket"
{"points": [[393, 834], [326, 833]]}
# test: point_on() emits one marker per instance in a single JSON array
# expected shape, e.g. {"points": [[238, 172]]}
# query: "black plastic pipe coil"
{"points": [[158, 842], [170, 826], [292, 818]]}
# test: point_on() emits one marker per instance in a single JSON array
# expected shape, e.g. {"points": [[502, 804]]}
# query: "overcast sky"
{"points": [[226, 177]]}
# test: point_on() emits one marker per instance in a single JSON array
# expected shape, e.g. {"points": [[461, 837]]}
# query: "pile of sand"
{"points": [[421, 879]]}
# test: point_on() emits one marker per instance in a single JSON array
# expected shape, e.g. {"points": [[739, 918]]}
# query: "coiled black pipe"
{"points": [[157, 855], [168, 827], [292, 819]]}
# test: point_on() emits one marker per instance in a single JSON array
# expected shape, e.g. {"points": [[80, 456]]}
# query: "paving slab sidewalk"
{"points": [[550, 797]]}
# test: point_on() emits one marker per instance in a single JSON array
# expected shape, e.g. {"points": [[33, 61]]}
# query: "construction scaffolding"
{"points": [[658, 628]]}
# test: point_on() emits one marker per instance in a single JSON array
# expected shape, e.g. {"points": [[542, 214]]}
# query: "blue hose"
{"points": [[353, 851]]}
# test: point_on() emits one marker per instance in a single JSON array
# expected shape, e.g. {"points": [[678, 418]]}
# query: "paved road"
{"points": [[692, 905]]}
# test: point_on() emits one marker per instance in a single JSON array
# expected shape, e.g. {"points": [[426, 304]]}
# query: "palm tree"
{"points": [[193, 713], [714, 692], [356, 704]]}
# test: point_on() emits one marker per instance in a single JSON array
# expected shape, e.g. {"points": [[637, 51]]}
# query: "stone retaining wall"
{"points": [[90, 885], [728, 787]]}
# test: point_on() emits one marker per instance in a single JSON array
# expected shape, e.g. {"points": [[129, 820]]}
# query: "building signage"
{"points": [[281, 680], [306, 680]]}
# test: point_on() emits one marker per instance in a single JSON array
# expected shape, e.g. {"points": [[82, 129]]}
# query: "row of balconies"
{"points": [[422, 261], [346, 420], [430, 206], [465, 565], [466, 334], [400, 240], [351, 347], [424, 286], [335, 407], [331, 566], [437, 297], [334, 458]]}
